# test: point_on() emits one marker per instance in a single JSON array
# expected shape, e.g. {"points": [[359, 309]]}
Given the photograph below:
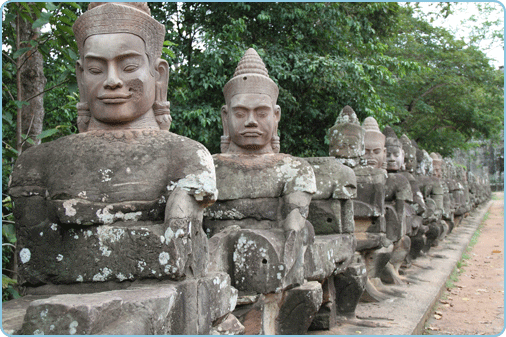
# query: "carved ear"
{"points": [[224, 120], [162, 80], [80, 82], [277, 112]]}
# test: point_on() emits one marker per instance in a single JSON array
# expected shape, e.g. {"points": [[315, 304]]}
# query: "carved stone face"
{"points": [[116, 77], [375, 153], [410, 160], [395, 158], [437, 170], [252, 120], [348, 144]]}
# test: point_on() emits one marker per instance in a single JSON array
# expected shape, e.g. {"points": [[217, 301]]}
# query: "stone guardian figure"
{"points": [[123, 200], [258, 227]]}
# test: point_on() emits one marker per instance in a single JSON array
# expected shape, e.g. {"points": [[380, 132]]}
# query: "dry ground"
{"points": [[473, 303]]}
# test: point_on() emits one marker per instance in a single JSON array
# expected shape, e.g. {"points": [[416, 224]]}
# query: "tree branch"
{"points": [[413, 102], [46, 90]]}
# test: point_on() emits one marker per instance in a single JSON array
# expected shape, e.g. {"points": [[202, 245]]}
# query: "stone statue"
{"points": [[398, 200], [418, 209], [258, 227], [346, 139], [375, 150], [123, 200], [348, 144]]}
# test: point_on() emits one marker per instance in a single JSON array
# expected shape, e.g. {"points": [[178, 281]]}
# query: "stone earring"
{"points": [[83, 117], [225, 143], [275, 144], [162, 114]]}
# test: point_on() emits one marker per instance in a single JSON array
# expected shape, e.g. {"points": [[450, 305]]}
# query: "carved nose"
{"points": [[113, 81], [251, 121]]}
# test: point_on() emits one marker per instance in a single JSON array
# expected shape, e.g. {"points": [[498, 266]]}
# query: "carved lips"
{"points": [[114, 98]]}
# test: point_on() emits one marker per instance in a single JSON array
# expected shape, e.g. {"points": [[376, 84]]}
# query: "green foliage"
{"points": [[9, 284], [457, 96]]}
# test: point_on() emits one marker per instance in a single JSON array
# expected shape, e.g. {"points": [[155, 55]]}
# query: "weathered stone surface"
{"points": [[331, 208], [187, 307], [125, 195], [346, 138], [370, 199], [298, 308], [328, 255], [350, 286], [229, 326], [326, 317], [265, 261]]}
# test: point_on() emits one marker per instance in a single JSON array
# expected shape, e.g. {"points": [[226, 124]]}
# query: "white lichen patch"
{"points": [[128, 170], [162, 238], [41, 233], [106, 235], [141, 264], [82, 195], [79, 278], [108, 218], [103, 275], [25, 255], [54, 226], [164, 258], [76, 236], [87, 233], [121, 277], [59, 257], [228, 214], [106, 174], [72, 327], [38, 332], [201, 185], [69, 207], [172, 185], [43, 313], [105, 250]]}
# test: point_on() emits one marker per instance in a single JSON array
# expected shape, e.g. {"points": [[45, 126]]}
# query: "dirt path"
{"points": [[473, 303]]}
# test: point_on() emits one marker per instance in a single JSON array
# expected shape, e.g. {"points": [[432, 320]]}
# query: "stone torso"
{"points": [[91, 176]]}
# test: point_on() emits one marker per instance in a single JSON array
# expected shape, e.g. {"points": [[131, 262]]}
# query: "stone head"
{"points": [[346, 137], [437, 169], [250, 117], [410, 158], [120, 73], [395, 153], [374, 140]]}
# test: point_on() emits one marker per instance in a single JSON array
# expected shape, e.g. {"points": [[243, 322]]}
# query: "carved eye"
{"points": [[239, 114], [95, 70], [131, 68]]}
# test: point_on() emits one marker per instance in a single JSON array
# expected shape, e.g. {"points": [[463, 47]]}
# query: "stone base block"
{"points": [[187, 307], [285, 313], [328, 255]]}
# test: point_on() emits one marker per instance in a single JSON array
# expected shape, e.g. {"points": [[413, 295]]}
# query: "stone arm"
{"points": [[181, 212]]}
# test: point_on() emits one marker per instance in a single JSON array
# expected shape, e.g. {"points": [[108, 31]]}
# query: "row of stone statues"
{"points": [[131, 228]]}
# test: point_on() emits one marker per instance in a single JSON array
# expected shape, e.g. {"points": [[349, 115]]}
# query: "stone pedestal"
{"points": [[158, 307]]}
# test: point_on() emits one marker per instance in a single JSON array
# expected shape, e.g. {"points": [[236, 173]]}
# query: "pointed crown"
{"points": [[436, 158], [372, 131], [251, 77], [123, 17], [391, 137]]}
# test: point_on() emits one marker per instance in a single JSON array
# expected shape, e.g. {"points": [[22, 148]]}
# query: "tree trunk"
{"points": [[31, 82]]}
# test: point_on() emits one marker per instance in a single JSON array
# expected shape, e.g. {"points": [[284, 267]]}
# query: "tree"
{"points": [[457, 95]]}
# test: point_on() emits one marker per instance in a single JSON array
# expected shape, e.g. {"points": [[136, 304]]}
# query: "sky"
{"points": [[462, 27]]}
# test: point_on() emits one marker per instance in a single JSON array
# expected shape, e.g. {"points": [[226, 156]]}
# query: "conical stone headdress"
{"points": [[372, 131], [251, 77], [391, 137]]}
